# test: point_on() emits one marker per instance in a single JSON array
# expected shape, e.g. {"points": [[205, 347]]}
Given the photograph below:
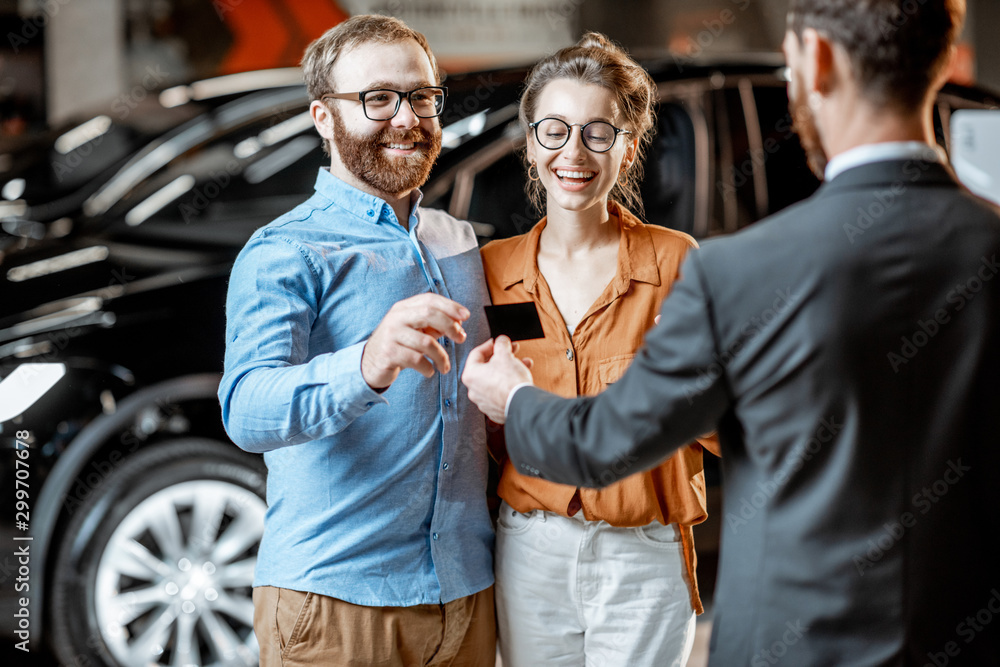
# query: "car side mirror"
{"points": [[975, 145]]}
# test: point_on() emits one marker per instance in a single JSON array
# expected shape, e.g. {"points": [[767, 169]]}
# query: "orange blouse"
{"points": [[601, 348]]}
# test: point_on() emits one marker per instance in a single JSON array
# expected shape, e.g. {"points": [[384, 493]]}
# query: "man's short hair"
{"points": [[897, 47], [320, 56]]}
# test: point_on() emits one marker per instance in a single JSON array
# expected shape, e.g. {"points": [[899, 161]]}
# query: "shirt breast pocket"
{"points": [[612, 368]]}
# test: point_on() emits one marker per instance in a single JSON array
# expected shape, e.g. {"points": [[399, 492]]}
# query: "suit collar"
{"points": [[891, 173], [884, 151]]}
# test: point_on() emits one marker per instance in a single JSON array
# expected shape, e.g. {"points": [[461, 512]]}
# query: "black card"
{"points": [[517, 321]]}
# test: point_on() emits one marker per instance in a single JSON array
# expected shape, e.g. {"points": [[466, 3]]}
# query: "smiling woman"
{"points": [[597, 275]]}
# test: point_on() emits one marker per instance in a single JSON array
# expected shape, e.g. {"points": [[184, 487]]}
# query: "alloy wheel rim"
{"points": [[174, 582]]}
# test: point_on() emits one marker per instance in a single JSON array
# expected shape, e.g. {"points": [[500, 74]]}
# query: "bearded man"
{"points": [[347, 321], [846, 349]]}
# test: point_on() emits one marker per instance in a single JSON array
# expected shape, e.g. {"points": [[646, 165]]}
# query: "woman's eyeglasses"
{"points": [[598, 136]]}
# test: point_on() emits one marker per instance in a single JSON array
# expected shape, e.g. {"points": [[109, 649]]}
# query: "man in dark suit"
{"points": [[848, 352]]}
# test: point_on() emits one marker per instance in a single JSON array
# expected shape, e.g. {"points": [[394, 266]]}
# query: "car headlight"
{"points": [[26, 386]]}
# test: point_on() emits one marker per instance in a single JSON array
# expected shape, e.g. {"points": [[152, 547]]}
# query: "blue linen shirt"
{"points": [[376, 499]]}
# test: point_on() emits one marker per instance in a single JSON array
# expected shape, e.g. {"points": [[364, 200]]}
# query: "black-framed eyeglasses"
{"points": [[598, 136], [383, 103]]}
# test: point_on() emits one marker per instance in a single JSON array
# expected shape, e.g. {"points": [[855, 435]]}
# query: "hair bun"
{"points": [[595, 40]]}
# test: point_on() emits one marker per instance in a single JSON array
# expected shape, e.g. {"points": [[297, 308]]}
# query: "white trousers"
{"points": [[571, 592]]}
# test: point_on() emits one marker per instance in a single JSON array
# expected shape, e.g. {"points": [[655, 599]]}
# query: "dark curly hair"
{"points": [[898, 48]]}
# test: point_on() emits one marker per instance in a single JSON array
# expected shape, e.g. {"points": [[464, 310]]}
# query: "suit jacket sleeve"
{"points": [[674, 391]]}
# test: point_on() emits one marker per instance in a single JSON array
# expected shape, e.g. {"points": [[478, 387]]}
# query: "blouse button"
{"points": [[569, 353]]}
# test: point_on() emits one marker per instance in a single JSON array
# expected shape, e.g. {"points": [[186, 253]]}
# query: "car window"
{"points": [[784, 162], [733, 191], [499, 199], [668, 188]]}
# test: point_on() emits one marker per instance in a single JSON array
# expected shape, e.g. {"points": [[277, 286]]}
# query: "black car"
{"points": [[134, 520]]}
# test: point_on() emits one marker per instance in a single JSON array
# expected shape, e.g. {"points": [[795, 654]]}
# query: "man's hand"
{"points": [[407, 338], [491, 372]]}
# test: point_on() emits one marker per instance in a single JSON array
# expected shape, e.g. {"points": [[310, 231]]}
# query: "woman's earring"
{"points": [[536, 176]]}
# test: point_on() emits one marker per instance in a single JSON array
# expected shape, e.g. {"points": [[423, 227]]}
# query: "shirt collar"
{"points": [[359, 203], [882, 152], [636, 254]]}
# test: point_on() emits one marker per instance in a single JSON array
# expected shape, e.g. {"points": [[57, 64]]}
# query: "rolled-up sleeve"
{"points": [[272, 394]]}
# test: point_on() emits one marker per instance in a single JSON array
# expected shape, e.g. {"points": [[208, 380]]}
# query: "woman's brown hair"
{"points": [[597, 60]]}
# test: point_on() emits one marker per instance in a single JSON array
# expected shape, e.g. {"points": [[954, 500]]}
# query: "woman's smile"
{"points": [[574, 179]]}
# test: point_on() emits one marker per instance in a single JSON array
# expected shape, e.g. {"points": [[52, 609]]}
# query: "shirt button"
{"points": [[371, 213], [434, 536], [437, 283], [447, 402], [369, 404], [445, 466], [446, 342], [569, 353]]}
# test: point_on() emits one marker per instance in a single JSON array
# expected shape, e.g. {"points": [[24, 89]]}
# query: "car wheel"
{"points": [[156, 567]]}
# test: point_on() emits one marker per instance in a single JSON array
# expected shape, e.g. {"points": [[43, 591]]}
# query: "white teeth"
{"points": [[562, 173], [402, 147]]}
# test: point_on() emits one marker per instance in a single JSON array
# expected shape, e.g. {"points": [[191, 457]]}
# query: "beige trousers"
{"points": [[296, 629]]}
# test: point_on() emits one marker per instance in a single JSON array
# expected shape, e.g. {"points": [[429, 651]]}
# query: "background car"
{"points": [[116, 250]]}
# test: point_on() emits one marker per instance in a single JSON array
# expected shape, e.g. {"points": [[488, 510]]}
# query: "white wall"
{"points": [[84, 51]]}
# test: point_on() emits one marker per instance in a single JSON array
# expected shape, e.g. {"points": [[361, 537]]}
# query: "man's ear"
{"points": [[322, 119], [946, 69], [822, 62]]}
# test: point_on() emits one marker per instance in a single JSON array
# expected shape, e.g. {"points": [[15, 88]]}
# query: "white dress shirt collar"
{"points": [[891, 150]]}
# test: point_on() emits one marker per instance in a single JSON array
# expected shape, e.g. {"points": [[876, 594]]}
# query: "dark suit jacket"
{"points": [[848, 351]]}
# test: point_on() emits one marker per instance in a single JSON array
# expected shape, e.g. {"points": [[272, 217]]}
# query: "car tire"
{"points": [[156, 566]]}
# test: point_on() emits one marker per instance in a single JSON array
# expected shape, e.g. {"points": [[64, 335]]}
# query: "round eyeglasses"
{"points": [[383, 103], [598, 136]]}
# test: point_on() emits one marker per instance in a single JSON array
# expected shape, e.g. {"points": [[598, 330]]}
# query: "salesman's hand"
{"points": [[491, 372], [407, 338]]}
